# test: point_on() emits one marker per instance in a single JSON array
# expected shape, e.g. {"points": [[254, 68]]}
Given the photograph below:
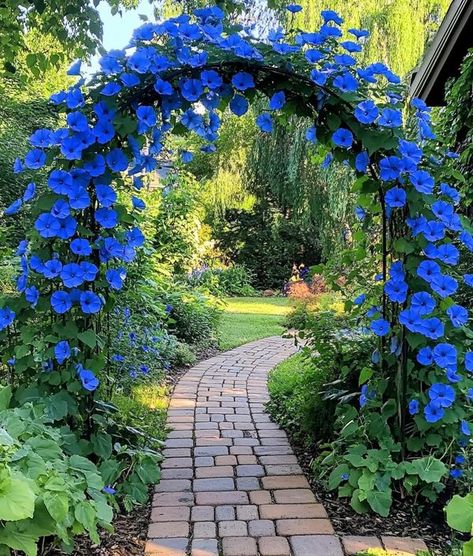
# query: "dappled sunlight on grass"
{"points": [[251, 318], [153, 396]]}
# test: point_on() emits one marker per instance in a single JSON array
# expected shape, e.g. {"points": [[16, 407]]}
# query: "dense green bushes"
{"points": [[305, 390], [231, 281]]}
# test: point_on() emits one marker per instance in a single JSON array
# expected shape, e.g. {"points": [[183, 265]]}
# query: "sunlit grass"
{"points": [[251, 318]]}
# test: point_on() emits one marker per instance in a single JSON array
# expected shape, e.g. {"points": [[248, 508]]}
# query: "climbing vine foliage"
{"points": [[178, 78]]}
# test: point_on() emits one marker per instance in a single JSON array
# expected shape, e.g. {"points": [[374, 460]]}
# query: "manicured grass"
{"points": [[250, 318]]}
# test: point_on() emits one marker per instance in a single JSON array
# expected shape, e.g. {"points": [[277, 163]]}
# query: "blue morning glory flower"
{"points": [[106, 195], [460, 459], [396, 290], [35, 159], [135, 237], [456, 473], [14, 208], [313, 56], [410, 150], [444, 285], [265, 123], [360, 299], [77, 121], [343, 138], [239, 105], [30, 192], [445, 355], [330, 15], [106, 217], [458, 315], [243, 81], [211, 79], [360, 213], [346, 83], [115, 278], [47, 225], [7, 316], [465, 428], [433, 230], [425, 356], [448, 254], [423, 303], [138, 204], [95, 167], [61, 209], [89, 271], [450, 192], [79, 198], [294, 8], [74, 69], [72, 275], [278, 100], [62, 351], [428, 270], [433, 412], [42, 138], [467, 239], [52, 268], [103, 131], [380, 327], [422, 181], [146, 115], [390, 118], [109, 490], [362, 160], [32, 295], [129, 80], [117, 160], [81, 247], [61, 302], [414, 407], [366, 112], [60, 182], [432, 328], [410, 319], [90, 302], [442, 394], [89, 381], [469, 361], [311, 134], [396, 197], [390, 168]]}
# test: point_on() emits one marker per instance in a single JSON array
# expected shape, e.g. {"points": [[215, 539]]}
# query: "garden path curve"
{"points": [[231, 484]]}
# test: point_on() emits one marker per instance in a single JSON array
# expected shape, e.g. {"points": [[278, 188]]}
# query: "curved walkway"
{"points": [[231, 484]]}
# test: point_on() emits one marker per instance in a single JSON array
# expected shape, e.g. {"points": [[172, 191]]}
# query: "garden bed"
{"points": [[404, 520]]}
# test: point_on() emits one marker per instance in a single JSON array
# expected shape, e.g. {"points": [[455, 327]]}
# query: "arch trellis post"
{"points": [[180, 77]]}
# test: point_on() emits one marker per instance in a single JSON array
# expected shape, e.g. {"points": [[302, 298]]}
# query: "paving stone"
{"points": [[176, 462], [168, 529], [166, 547], [260, 497], [178, 513], [249, 470], [239, 546], [225, 460], [404, 546], [221, 498], [204, 530], [224, 513], [210, 451], [215, 471], [202, 513], [173, 499], [288, 527], [294, 496], [178, 473], [204, 461], [173, 485], [316, 545], [261, 528], [274, 546], [216, 484], [290, 469], [292, 511], [204, 547], [247, 483], [285, 482], [232, 529], [353, 544], [247, 512], [247, 460]]}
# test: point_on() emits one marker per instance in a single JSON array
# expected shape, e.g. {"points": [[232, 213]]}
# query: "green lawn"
{"points": [[250, 318]]}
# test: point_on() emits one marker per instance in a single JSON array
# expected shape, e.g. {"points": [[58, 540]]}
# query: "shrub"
{"points": [[46, 490], [305, 389], [231, 281], [193, 316]]}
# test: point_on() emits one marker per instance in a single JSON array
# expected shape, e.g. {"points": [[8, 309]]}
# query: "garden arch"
{"points": [[180, 75]]}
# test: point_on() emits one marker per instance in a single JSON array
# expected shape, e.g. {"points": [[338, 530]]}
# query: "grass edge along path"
{"points": [[251, 318]]}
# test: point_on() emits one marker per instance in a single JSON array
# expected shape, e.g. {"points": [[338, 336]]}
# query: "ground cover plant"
{"points": [[414, 405]]}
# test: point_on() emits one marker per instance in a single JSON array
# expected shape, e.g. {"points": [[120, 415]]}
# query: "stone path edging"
{"points": [[231, 484]]}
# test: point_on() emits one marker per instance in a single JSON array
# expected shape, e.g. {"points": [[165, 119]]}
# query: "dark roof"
{"points": [[444, 57]]}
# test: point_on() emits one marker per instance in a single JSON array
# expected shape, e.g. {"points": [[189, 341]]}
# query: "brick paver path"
{"points": [[231, 484]]}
